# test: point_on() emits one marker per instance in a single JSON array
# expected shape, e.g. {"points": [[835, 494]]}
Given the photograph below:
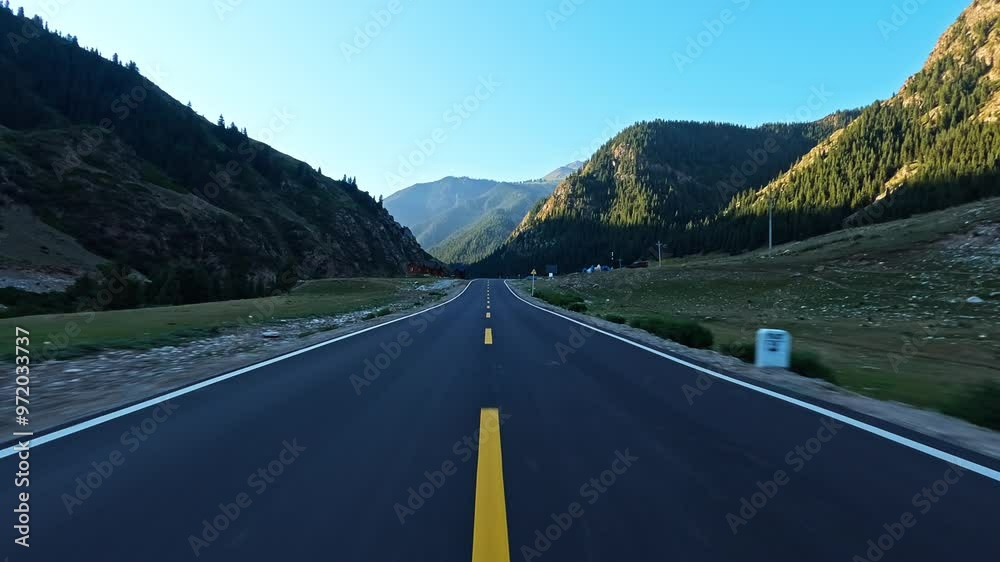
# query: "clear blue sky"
{"points": [[567, 79]]}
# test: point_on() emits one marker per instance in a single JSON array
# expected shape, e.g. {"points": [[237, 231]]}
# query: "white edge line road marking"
{"points": [[76, 428], [899, 439]]}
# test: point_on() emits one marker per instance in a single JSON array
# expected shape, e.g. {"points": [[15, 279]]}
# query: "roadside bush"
{"points": [[25, 303], [810, 365], [740, 350], [558, 298], [616, 318], [683, 332], [980, 405], [577, 307]]}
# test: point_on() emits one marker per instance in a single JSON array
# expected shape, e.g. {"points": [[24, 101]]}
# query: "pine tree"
{"points": [[221, 123]]}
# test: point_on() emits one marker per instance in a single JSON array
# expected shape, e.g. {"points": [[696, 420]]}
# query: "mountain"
{"points": [[95, 155], [934, 144], [649, 174], [478, 240], [563, 172], [443, 212]]}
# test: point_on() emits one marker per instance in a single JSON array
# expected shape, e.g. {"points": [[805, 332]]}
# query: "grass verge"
{"points": [[885, 311], [980, 405], [559, 298], [63, 336], [683, 332]]}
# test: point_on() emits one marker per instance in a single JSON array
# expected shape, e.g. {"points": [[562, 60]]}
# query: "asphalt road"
{"points": [[370, 448]]}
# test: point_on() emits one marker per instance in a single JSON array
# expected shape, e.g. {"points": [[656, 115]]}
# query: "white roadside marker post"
{"points": [[774, 349]]}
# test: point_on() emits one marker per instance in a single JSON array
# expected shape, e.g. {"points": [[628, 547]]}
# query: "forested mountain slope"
{"points": [[650, 175], [477, 240], [935, 144], [103, 155]]}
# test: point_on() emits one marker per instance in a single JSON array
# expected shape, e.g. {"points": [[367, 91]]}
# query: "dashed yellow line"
{"points": [[489, 532], [489, 336]]}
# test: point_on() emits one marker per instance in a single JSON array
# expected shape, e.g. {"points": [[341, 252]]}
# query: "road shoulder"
{"points": [[77, 389], [924, 422]]}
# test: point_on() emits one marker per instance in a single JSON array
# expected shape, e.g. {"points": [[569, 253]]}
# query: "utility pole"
{"points": [[659, 253]]}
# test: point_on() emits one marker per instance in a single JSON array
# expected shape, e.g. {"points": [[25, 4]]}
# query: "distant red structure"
{"points": [[427, 269]]}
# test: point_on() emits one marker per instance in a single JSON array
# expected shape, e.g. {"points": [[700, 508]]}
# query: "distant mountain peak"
{"points": [[445, 209], [563, 172]]}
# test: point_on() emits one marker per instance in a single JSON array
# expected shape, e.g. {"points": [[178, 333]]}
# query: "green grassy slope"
{"points": [[884, 305], [68, 335]]}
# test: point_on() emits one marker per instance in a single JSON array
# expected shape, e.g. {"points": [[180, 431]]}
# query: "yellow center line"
{"points": [[489, 532], [489, 336]]}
